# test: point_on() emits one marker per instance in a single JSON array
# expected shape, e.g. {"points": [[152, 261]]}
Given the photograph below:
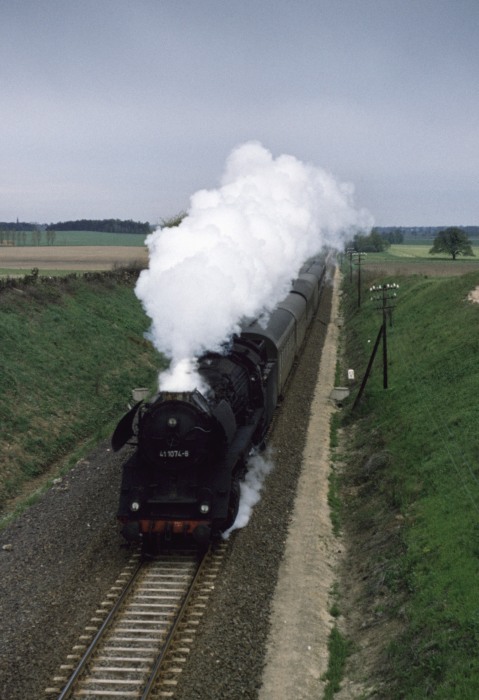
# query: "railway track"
{"points": [[141, 635]]}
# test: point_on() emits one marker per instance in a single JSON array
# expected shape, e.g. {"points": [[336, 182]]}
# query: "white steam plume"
{"points": [[236, 252], [250, 491]]}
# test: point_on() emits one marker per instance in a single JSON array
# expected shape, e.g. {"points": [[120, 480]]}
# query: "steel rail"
{"points": [[69, 688], [173, 629], [98, 636]]}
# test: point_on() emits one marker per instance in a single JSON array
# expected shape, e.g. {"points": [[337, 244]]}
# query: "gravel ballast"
{"points": [[63, 554]]}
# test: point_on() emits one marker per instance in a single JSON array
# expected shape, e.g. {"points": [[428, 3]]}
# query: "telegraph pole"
{"points": [[358, 256], [384, 295], [349, 252]]}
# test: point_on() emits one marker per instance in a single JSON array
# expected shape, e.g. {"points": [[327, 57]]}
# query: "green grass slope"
{"points": [[71, 352], [427, 426]]}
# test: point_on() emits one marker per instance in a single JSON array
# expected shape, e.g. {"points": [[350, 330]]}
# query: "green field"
{"points": [[88, 238], [417, 252]]}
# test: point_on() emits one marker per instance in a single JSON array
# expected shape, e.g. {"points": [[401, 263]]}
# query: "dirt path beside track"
{"points": [[297, 654]]}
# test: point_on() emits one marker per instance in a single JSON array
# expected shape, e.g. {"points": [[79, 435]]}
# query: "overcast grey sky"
{"points": [[125, 108]]}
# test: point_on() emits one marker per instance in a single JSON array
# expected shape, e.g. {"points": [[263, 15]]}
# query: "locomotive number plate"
{"points": [[174, 453]]}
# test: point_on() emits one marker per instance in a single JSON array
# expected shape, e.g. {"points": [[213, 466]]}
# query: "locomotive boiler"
{"points": [[182, 480]]}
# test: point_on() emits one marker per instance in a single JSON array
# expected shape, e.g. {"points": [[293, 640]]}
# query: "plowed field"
{"points": [[70, 257]]}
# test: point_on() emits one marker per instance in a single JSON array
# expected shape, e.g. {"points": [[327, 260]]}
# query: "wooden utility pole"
{"points": [[368, 370], [383, 294], [358, 256], [349, 253]]}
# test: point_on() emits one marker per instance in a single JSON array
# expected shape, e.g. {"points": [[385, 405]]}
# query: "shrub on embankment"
{"points": [[411, 485], [71, 351]]}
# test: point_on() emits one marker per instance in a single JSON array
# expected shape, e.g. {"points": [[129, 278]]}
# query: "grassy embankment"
{"points": [[410, 486], [71, 353]]}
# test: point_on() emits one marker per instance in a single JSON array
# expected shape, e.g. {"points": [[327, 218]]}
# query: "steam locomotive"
{"points": [[182, 480]]}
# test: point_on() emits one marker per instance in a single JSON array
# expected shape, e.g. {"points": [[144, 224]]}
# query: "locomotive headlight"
{"points": [[134, 506], [172, 422], [204, 508]]}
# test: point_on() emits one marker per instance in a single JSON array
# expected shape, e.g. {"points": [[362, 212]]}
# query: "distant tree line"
{"points": [[394, 235], [108, 225], [419, 232], [17, 226], [374, 242]]}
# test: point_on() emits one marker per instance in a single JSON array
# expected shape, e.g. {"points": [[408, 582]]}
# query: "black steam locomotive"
{"points": [[192, 449]]}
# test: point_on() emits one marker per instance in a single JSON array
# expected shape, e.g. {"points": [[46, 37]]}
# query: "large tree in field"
{"points": [[453, 241]]}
